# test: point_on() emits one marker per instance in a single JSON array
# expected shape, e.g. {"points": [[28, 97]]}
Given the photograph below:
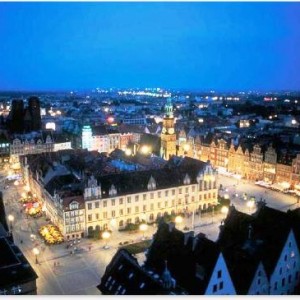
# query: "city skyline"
{"points": [[219, 46]]}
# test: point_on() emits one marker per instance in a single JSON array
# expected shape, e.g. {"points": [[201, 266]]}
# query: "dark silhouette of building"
{"points": [[16, 116], [35, 113], [124, 276], [22, 120]]}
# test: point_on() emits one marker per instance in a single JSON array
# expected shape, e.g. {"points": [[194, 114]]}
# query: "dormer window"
{"points": [[74, 205], [112, 191], [187, 179], [199, 177], [151, 183]]}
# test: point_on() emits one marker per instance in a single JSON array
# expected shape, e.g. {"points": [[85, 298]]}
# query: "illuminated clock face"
{"points": [[171, 130], [163, 130]]}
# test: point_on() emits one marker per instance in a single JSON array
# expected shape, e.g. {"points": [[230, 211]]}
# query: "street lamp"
{"points": [[250, 205], [128, 152], [224, 210], [145, 149], [44, 209], [36, 252], [106, 236], [11, 218], [186, 148], [113, 223], [143, 228], [178, 220]]}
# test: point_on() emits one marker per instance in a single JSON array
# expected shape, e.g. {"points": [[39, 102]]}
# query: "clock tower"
{"points": [[168, 135]]}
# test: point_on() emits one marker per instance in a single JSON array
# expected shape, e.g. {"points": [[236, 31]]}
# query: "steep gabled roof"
{"points": [[206, 253], [269, 232], [124, 276]]}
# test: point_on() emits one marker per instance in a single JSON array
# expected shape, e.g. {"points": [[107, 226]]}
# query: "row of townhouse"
{"points": [[251, 163], [115, 200], [41, 144], [254, 255]]}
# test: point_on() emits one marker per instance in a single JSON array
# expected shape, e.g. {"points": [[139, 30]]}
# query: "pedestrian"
{"points": [[54, 264]]}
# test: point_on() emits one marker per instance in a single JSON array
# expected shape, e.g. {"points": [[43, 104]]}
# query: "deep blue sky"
{"points": [[175, 45]]}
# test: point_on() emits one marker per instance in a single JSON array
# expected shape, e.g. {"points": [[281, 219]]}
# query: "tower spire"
{"points": [[169, 108]]}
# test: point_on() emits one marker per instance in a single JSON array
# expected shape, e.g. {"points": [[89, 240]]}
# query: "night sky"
{"points": [[220, 46]]}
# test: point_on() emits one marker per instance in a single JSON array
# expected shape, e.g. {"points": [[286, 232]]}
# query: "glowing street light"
{"points": [[145, 149], [128, 152], [250, 205], [178, 220], [11, 218], [143, 228], [224, 210], [36, 252], [106, 236], [186, 148]]}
